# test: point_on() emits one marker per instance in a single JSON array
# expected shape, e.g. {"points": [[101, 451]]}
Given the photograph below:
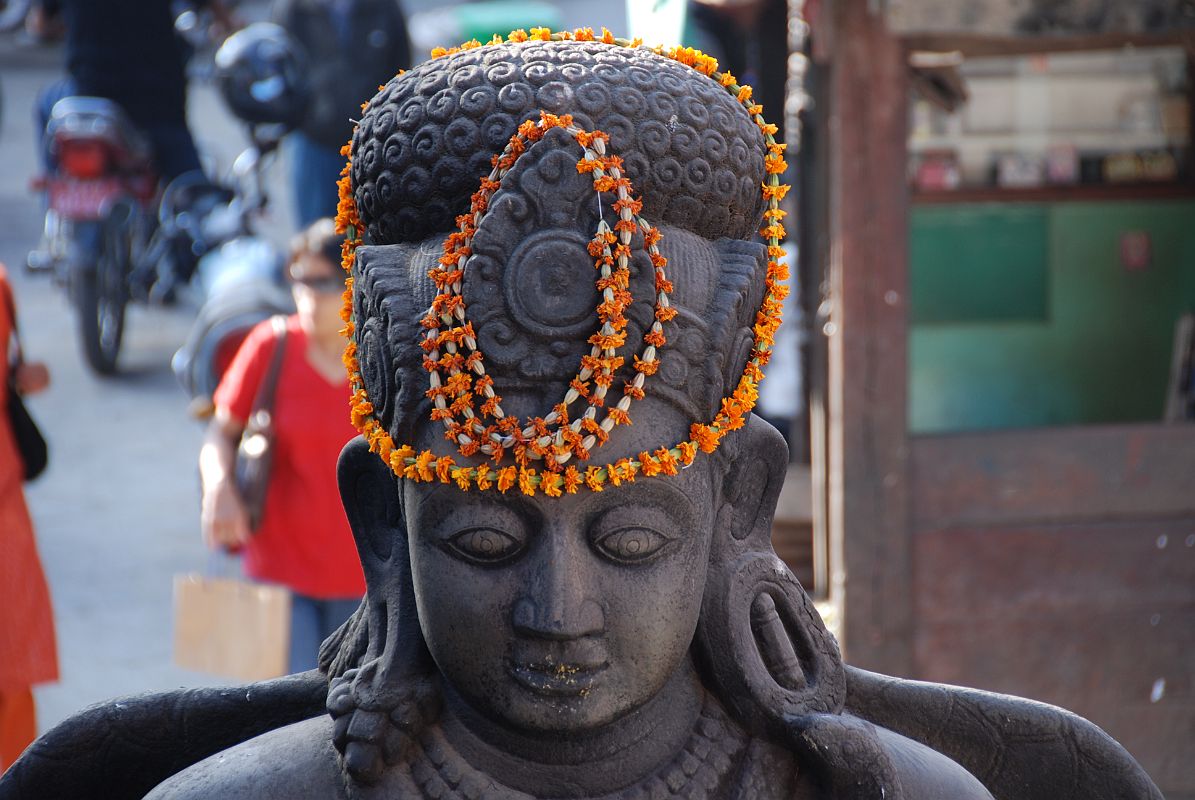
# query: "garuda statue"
{"points": [[565, 274]]}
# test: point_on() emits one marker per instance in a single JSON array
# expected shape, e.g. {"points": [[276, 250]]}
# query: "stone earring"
{"points": [[767, 647]]}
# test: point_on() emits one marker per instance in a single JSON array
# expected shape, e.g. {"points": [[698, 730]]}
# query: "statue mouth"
{"points": [[557, 679]]}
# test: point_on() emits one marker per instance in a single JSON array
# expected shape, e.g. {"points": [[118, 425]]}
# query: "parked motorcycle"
{"points": [[101, 198], [110, 237]]}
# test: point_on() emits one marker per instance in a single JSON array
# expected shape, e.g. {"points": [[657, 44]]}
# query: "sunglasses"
{"points": [[321, 283]]}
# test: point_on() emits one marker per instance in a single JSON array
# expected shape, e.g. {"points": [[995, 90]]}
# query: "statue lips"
{"points": [[558, 669]]}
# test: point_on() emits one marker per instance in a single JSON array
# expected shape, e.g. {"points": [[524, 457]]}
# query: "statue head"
{"points": [[556, 340]]}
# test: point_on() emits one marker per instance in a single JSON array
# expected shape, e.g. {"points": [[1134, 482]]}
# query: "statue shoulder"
{"points": [[294, 762]]}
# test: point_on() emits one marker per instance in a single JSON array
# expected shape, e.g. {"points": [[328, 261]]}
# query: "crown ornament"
{"points": [[551, 454]]}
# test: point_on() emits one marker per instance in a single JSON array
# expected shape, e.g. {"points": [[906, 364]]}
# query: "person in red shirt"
{"points": [[303, 540]]}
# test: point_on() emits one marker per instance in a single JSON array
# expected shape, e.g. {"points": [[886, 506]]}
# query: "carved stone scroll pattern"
{"points": [[427, 137]]}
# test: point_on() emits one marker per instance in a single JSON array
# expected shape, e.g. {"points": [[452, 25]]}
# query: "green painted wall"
{"points": [[1100, 354]]}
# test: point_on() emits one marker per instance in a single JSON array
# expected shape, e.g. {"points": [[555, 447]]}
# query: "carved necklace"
{"points": [[699, 770], [708, 766]]}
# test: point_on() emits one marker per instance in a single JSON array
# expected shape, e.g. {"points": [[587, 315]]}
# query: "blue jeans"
{"points": [[314, 171], [312, 620]]}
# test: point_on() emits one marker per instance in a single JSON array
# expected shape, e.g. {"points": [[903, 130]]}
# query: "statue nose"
{"points": [[557, 604]]}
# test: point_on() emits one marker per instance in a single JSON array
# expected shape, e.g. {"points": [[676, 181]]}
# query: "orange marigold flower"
{"points": [[744, 94], [572, 479], [483, 477], [583, 34], [611, 341], [551, 483], [773, 231], [543, 34], [594, 478], [666, 460], [607, 36], [775, 191], [655, 338], [461, 476], [444, 467], [687, 452], [666, 314], [506, 478], [648, 465], [774, 164], [619, 416], [437, 52], [399, 455], [517, 35], [423, 465], [361, 412], [632, 391], [527, 482], [585, 165], [754, 109], [704, 436], [646, 367]]}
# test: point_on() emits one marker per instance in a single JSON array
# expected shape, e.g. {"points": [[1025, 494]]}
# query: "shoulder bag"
{"points": [[255, 453]]}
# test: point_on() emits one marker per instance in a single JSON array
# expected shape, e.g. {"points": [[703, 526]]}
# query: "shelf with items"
{"points": [[1067, 121]]}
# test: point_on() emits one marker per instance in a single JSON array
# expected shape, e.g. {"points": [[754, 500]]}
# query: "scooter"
{"points": [[240, 275]]}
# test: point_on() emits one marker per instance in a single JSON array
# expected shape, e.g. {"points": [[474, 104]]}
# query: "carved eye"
{"points": [[630, 545], [484, 545]]}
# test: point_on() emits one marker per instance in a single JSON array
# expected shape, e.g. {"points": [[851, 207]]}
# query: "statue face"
{"points": [[561, 614]]}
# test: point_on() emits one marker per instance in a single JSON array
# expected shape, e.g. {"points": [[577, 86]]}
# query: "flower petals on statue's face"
{"points": [[561, 614]]}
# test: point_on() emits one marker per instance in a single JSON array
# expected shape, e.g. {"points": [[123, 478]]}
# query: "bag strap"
{"points": [[264, 401], [16, 330]]}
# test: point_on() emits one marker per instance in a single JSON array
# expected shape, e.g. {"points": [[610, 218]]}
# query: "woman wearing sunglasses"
{"points": [[302, 540]]}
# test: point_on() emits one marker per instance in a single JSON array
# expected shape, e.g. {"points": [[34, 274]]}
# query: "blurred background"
{"points": [[986, 375]]}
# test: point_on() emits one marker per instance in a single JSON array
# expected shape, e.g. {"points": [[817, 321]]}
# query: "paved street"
{"points": [[117, 511]]}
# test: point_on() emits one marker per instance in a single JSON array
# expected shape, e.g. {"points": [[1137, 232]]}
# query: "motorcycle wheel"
{"points": [[102, 296]]}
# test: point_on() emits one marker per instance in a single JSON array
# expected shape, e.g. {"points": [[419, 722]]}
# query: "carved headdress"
{"points": [[589, 203]]}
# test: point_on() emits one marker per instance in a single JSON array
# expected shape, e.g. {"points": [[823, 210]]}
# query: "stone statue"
{"points": [[586, 603]]}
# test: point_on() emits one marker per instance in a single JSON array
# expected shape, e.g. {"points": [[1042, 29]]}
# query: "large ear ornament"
{"points": [[383, 694], [760, 637]]}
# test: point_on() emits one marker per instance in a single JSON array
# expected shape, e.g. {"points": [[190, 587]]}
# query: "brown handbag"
{"points": [[255, 452]]}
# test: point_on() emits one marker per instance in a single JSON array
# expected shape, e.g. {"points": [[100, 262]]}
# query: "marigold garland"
{"points": [[453, 389], [535, 439]]}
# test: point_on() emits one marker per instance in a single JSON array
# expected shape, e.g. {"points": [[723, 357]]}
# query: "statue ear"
{"points": [[373, 506], [760, 639], [383, 662], [758, 463]]}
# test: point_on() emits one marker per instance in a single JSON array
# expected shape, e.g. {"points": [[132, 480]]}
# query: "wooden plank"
{"points": [[869, 536], [1090, 472], [973, 575]]}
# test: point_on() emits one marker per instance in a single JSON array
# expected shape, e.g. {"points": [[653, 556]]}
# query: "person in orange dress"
{"points": [[28, 654]]}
